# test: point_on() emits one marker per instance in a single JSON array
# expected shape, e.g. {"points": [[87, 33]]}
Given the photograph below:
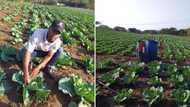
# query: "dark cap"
{"points": [[57, 26]]}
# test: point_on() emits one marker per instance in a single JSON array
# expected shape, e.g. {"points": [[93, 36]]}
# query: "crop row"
{"points": [[154, 79]]}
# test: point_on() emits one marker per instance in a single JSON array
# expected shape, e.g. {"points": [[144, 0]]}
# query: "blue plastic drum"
{"points": [[151, 49]]}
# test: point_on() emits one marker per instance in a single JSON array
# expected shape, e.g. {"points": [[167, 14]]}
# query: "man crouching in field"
{"points": [[43, 43]]}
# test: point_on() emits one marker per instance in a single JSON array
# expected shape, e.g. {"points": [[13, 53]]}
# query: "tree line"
{"points": [[171, 30]]}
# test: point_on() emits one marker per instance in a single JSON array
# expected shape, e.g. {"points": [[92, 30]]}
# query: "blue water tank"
{"points": [[151, 49]]}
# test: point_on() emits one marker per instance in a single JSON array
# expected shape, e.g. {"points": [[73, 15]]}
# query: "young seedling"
{"points": [[180, 96], [123, 95], [152, 94]]}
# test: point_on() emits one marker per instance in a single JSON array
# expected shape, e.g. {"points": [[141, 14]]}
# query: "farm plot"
{"points": [[75, 86], [123, 80]]}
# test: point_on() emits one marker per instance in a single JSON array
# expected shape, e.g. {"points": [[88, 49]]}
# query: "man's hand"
{"points": [[26, 60], [35, 71], [26, 79]]}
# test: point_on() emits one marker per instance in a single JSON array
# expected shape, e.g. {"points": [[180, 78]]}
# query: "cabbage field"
{"points": [[75, 85], [122, 80]]}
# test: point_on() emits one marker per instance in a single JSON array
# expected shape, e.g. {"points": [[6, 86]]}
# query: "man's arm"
{"points": [[47, 58], [26, 61]]}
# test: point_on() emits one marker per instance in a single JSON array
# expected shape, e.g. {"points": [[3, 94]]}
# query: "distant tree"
{"points": [[151, 31], [171, 30], [188, 31], [134, 30], [98, 23], [104, 26], [164, 30], [182, 32], [118, 28]]}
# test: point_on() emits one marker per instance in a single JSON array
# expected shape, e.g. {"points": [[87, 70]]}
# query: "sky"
{"points": [[143, 14]]}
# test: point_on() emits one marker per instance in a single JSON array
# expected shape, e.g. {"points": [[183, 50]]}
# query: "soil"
{"points": [[116, 59], [4, 29], [77, 51]]}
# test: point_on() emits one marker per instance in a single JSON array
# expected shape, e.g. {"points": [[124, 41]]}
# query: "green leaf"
{"points": [[180, 96], [186, 73], [177, 80], [66, 86], [5, 86], [72, 104], [26, 96], [2, 75], [89, 64], [18, 57], [123, 95], [17, 77], [7, 53], [7, 18], [104, 63], [130, 77], [64, 59], [84, 103], [152, 94], [111, 77], [154, 67], [154, 80], [169, 69], [83, 89], [41, 94], [136, 67], [36, 60], [36, 86], [67, 39]]}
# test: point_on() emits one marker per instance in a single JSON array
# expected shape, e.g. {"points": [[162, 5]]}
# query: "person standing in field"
{"points": [[141, 49], [45, 43]]}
